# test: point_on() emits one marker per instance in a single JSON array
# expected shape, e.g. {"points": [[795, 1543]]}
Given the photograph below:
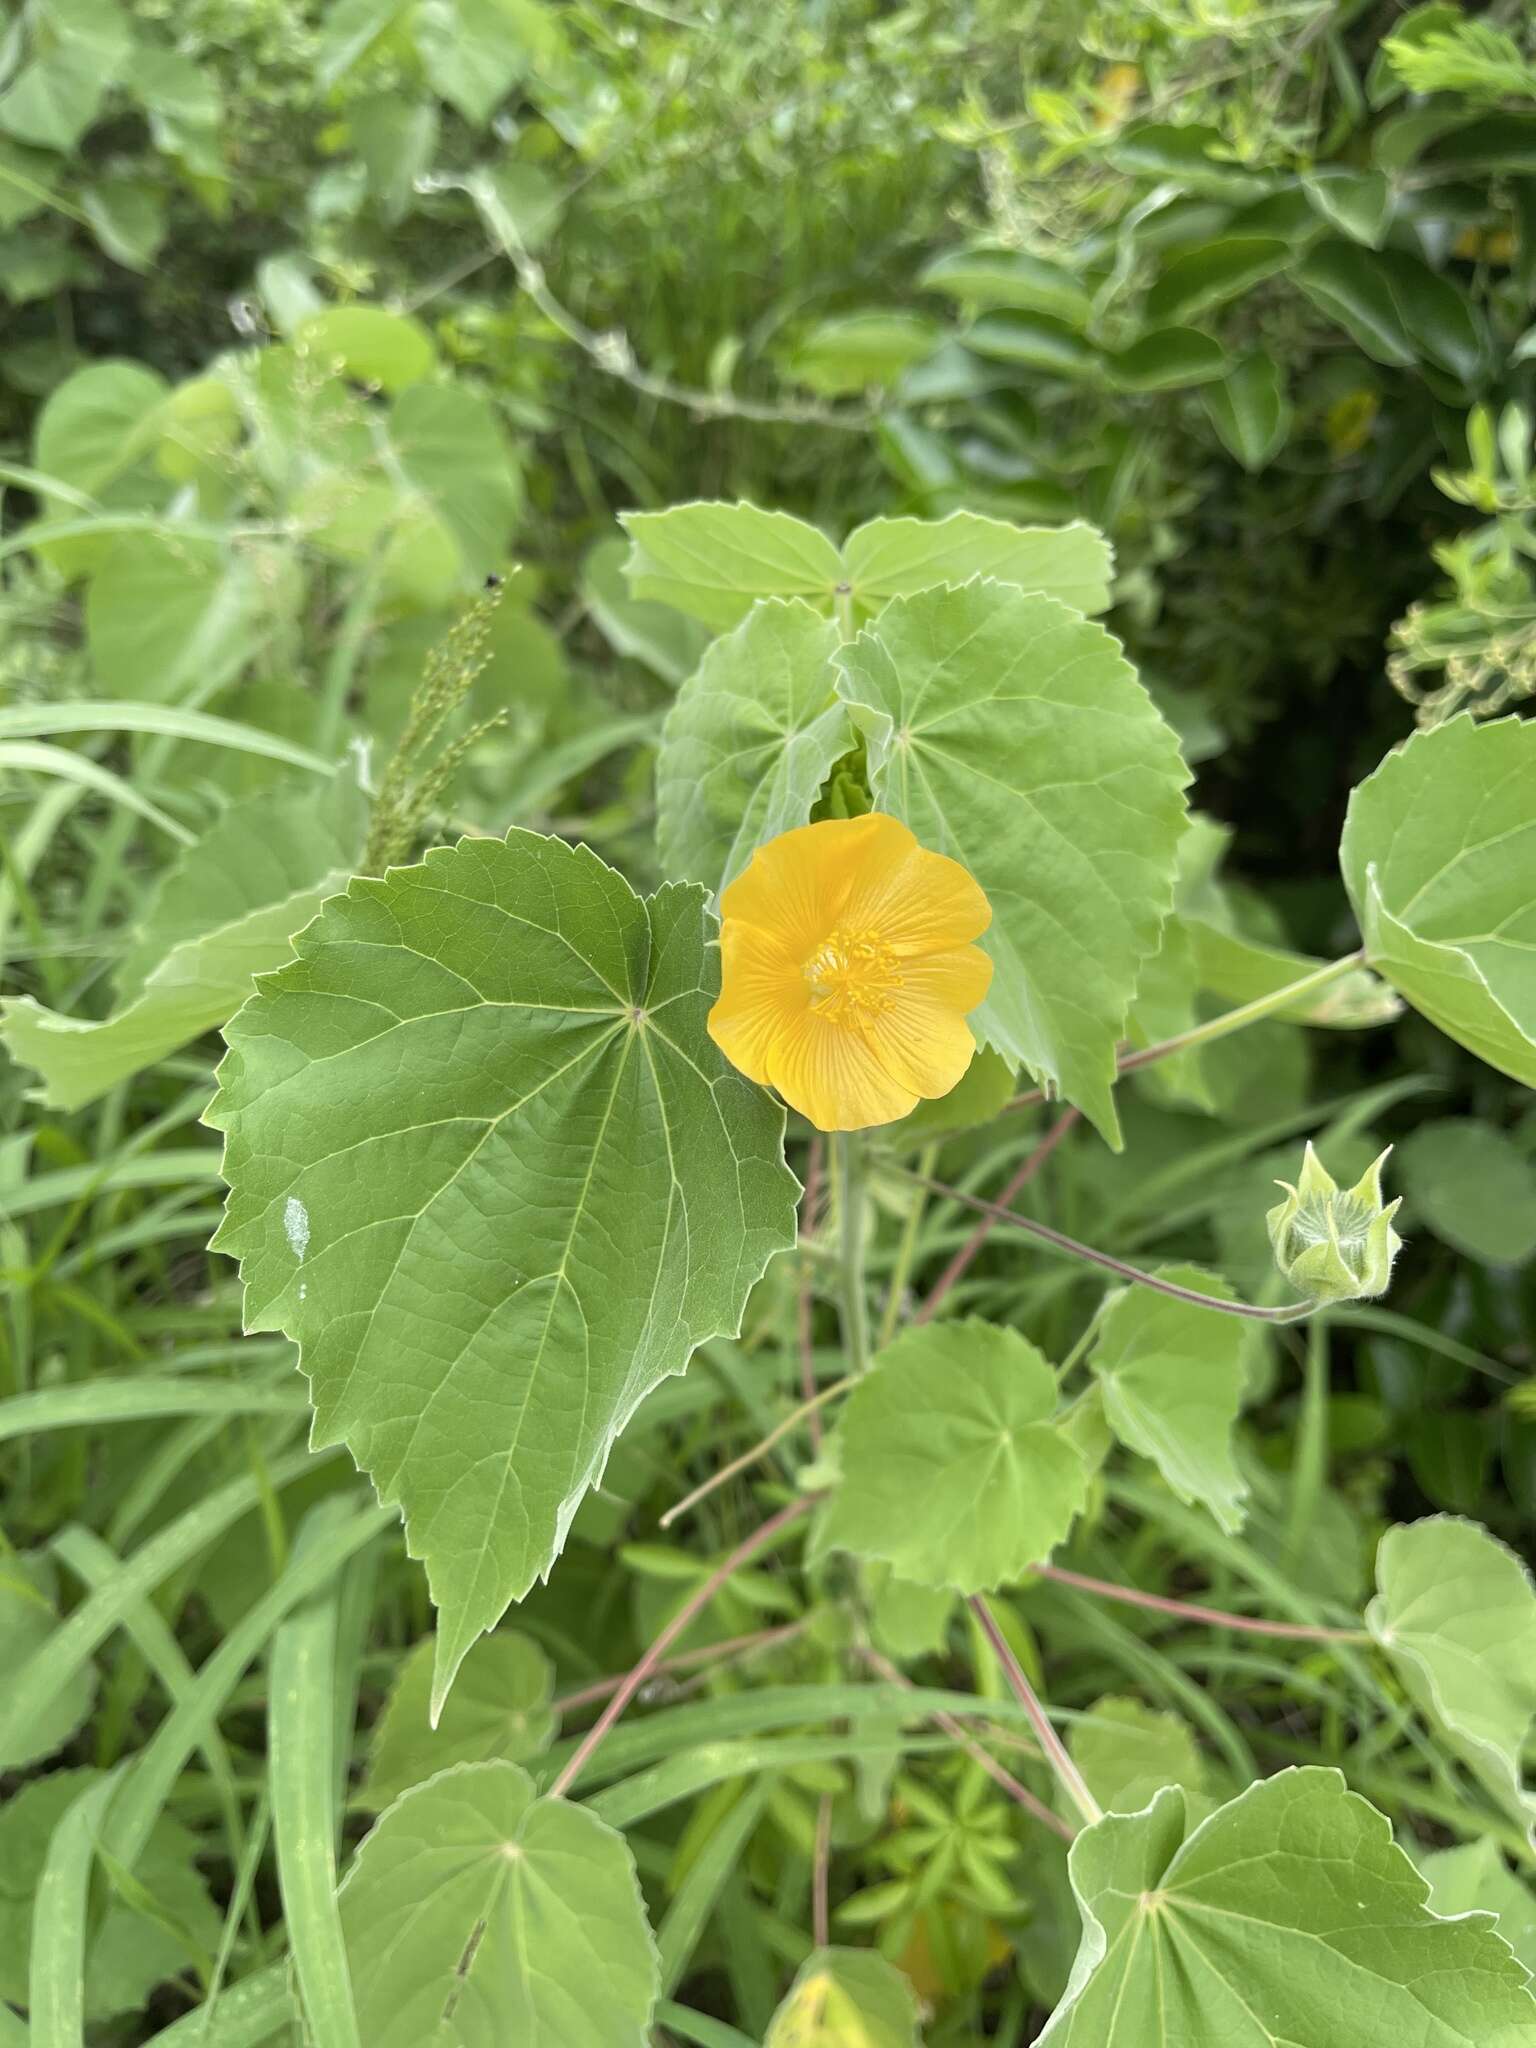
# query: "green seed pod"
{"points": [[1334, 1244]]}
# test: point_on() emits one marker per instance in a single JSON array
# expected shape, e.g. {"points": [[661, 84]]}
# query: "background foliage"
{"points": [[316, 318]]}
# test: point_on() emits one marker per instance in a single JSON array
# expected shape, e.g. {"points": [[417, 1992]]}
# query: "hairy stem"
{"points": [[1068, 1775], [1188, 1610], [1222, 1026], [1292, 1312], [978, 1237], [695, 1604]]}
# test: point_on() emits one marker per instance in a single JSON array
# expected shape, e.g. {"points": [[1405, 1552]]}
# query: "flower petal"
{"points": [[924, 1046], [959, 978], [763, 994], [796, 885], [834, 1077], [922, 904]]}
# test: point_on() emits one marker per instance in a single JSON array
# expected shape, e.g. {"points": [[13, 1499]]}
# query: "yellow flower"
{"points": [[846, 972]]}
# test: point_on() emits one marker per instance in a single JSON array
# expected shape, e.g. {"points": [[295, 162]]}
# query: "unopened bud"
{"points": [[1332, 1243]]}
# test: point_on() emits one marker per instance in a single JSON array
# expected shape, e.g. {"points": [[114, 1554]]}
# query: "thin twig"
{"points": [[959, 1735], [694, 1605], [978, 1237], [820, 1920], [1068, 1775], [758, 1450], [1218, 1027], [1291, 1313], [1188, 1610], [685, 1660]]}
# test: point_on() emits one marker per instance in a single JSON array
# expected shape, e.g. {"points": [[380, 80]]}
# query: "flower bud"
{"points": [[1334, 1244]]}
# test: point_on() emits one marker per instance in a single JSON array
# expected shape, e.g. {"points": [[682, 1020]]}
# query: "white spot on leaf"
{"points": [[296, 1225]]}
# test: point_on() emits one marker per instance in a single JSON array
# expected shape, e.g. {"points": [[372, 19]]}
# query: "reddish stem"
{"points": [[686, 1660], [1067, 1773], [978, 1237], [1187, 1610], [958, 1734], [694, 1605]]}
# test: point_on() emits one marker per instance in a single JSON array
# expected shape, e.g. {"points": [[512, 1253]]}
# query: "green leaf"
{"points": [[1169, 359], [1173, 1377], [713, 561], [389, 350], [129, 1953], [669, 643], [748, 743], [984, 276], [1439, 858], [1476, 1879], [28, 1617], [1009, 733], [1127, 1752], [488, 1169], [264, 870], [81, 50], [1399, 310], [167, 615], [1038, 341], [857, 350], [1474, 1187], [129, 218], [1194, 280], [1456, 1612], [982, 1092], [499, 1709], [888, 558], [1287, 1918], [1358, 203], [475, 51], [98, 432], [846, 1998], [1250, 411], [451, 445], [953, 1469], [477, 1913]]}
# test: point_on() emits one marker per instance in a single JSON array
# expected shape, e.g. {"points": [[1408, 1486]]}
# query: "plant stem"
{"points": [[927, 1159], [1309, 1468], [978, 1237], [805, 1302], [758, 1450], [1221, 1027], [1293, 1311], [842, 605], [848, 1149], [1068, 1775], [958, 1734], [694, 1605], [820, 1921], [686, 1660], [1187, 1610]]}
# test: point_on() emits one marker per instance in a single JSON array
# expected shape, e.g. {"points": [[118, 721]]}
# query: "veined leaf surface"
{"points": [[488, 1169]]}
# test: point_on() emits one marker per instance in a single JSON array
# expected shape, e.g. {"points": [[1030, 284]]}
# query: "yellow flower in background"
{"points": [[847, 971]]}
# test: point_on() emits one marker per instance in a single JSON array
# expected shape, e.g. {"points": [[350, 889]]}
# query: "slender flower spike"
{"points": [[1334, 1244], [847, 971]]}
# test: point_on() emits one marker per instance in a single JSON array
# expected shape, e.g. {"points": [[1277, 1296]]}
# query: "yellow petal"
{"points": [[798, 884], [763, 993], [921, 904], [959, 978], [923, 1046], [834, 1078]]}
